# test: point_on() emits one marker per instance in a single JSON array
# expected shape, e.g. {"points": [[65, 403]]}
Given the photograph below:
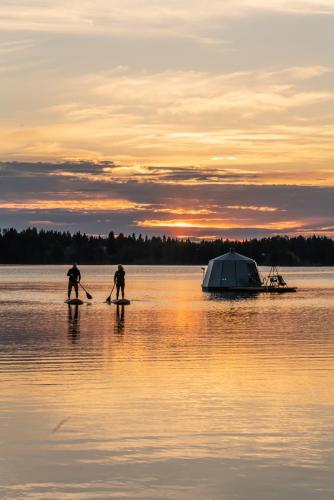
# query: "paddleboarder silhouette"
{"points": [[119, 280], [74, 278]]}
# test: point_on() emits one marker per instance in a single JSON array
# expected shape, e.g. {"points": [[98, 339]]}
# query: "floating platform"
{"points": [[121, 302], [252, 289], [74, 302]]}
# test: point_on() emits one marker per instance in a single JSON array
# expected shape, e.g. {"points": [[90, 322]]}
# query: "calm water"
{"points": [[181, 395]]}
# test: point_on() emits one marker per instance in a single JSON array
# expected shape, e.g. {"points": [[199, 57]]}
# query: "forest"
{"points": [[32, 246]]}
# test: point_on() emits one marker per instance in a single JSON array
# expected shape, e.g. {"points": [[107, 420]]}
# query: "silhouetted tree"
{"points": [[31, 246]]}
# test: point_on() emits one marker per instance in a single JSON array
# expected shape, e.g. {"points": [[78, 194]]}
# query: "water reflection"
{"points": [[73, 322], [120, 318], [204, 397], [232, 296]]}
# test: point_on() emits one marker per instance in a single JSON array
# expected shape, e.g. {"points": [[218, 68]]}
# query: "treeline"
{"points": [[31, 246]]}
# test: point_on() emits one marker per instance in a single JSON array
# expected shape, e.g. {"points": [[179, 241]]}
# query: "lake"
{"points": [[181, 395]]}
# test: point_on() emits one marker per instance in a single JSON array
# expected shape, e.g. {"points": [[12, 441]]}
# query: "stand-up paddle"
{"points": [[88, 295], [108, 299]]}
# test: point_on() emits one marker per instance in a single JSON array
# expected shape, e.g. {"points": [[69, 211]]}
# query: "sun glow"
{"points": [[220, 224]]}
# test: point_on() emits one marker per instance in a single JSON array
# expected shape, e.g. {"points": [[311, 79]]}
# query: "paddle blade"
{"points": [[88, 295], [108, 299]]}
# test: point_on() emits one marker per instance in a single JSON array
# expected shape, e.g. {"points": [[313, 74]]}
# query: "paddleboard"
{"points": [[121, 302], [74, 302]]}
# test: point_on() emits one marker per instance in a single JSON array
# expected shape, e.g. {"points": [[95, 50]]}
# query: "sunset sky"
{"points": [[183, 117]]}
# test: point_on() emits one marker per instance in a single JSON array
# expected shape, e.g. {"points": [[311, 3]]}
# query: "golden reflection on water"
{"points": [[180, 395]]}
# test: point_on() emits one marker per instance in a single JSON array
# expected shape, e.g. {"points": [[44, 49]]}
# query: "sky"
{"points": [[190, 118]]}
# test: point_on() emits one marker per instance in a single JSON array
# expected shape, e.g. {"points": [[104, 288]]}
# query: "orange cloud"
{"points": [[183, 211], [94, 205], [254, 208], [194, 175], [180, 117], [216, 223]]}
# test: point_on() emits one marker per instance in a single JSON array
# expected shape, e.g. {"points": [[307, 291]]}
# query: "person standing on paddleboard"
{"points": [[119, 280], [74, 278]]}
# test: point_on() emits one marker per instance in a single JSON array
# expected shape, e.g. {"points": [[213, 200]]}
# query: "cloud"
{"points": [[99, 197], [149, 17], [253, 208], [183, 211], [75, 205], [178, 117], [183, 93], [120, 111], [9, 47], [187, 176], [221, 224]]}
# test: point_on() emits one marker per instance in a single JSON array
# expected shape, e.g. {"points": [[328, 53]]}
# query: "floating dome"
{"points": [[231, 270]]}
